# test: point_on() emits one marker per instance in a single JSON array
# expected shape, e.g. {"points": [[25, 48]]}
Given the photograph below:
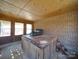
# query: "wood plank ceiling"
{"points": [[36, 9]]}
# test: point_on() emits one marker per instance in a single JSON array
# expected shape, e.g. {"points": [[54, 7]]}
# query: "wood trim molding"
{"points": [[12, 17]]}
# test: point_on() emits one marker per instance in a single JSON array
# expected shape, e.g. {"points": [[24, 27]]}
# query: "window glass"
{"points": [[5, 28], [19, 28], [28, 28]]}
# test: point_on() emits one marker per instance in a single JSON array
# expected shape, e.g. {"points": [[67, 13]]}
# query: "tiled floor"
{"points": [[12, 51]]}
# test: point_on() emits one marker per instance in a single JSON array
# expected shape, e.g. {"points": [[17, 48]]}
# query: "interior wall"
{"points": [[63, 26]]}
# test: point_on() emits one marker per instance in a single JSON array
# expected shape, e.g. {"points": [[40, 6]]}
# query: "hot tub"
{"points": [[39, 47]]}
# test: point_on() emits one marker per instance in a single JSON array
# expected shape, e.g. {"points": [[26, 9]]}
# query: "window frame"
{"points": [[12, 24], [9, 28], [14, 28], [26, 27]]}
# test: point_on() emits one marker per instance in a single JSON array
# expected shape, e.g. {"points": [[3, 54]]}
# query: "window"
{"points": [[5, 28], [19, 28], [28, 28]]}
